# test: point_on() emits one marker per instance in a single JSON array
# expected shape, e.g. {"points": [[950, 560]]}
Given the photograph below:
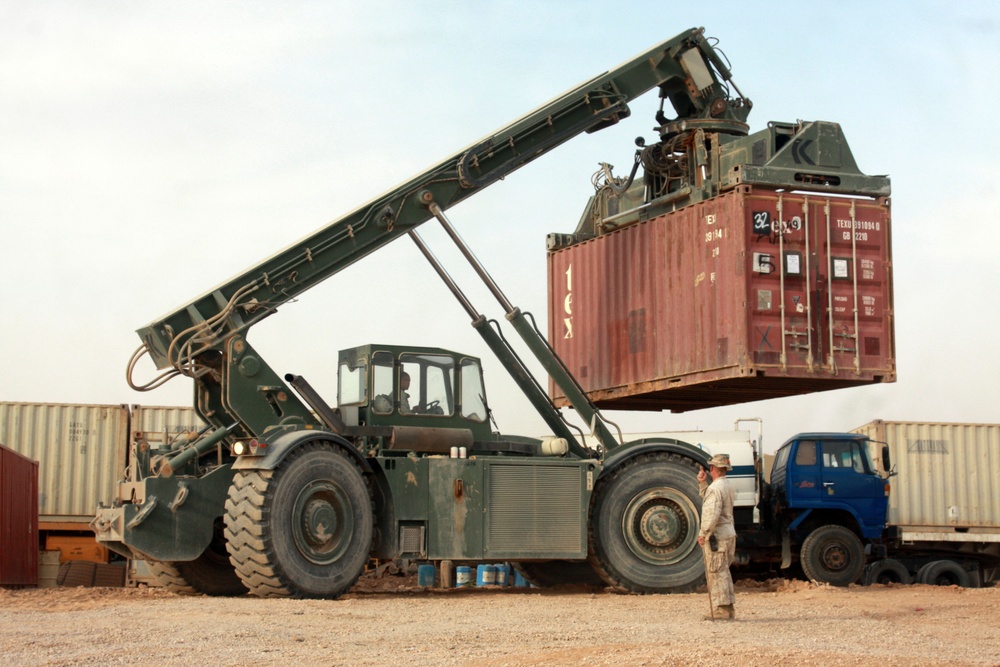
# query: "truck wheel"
{"points": [[304, 529], [833, 555], [559, 573], [943, 573], [886, 571], [644, 526], [211, 573]]}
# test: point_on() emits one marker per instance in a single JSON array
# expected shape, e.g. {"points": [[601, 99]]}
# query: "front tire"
{"points": [[833, 555], [304, 529], [644, 526]]}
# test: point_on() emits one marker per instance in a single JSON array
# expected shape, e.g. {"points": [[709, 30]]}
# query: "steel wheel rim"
{"points": [[835, 557], [322, 522], [659, 526]]}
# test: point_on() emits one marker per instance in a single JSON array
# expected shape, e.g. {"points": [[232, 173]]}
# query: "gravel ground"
{"points": [[396, 623]]}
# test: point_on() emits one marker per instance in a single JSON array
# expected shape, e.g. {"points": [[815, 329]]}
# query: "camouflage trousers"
{"points": [[717, 576]]}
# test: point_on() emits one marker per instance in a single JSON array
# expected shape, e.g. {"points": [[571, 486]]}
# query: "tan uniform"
{"points": [[717, 519]]}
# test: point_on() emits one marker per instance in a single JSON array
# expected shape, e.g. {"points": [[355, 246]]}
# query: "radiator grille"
{"points": [[411, 540], [535, 508]]}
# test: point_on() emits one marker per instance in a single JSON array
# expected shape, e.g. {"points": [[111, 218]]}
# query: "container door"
{"points": [[821, 284]]}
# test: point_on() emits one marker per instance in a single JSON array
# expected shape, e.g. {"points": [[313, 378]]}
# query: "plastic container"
{"points": [[503, 574], [463, 576], [425, 576], [519, 580], [486, 575]]}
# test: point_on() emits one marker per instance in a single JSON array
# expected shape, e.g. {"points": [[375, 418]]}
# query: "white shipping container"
{"points": [[80, 449], [160, 424], [948, 481]]}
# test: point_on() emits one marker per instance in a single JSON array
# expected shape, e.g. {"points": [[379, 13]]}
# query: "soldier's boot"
{"points": [[724, 612]]}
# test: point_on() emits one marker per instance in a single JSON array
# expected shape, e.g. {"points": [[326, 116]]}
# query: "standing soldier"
{"points": [[718, 536]]}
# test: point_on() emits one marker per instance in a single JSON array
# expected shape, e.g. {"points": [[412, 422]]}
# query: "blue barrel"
{"points": [[425, 576], [503, 574], [486, 575], [463, 576], [520, 581]]}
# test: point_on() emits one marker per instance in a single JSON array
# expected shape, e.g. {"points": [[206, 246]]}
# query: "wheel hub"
{"points": [[658, 526], [835, 557], [322, 522]]}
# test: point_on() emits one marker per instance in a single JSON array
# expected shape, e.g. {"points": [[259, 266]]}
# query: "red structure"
{"points": [[18, 520], [750, 295]]}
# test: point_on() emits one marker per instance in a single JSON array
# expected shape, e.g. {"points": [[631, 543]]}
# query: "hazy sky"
{"points": [[149, 151]]}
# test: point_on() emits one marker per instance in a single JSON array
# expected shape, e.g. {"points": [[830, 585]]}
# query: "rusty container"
{"points": [[18, 519], [750, 295]]}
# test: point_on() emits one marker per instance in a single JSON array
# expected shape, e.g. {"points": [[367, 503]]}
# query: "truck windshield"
{"points": [[846, 454]]}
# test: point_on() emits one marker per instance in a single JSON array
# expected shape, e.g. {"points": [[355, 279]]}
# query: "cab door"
{"points": [[848, 478]]}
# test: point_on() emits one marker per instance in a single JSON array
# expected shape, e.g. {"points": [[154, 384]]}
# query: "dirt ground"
{"points": [[391, 621]]}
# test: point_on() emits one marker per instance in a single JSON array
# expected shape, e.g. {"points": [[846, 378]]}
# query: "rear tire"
{"points": [[559, 573], [211, 573], [833, 555], [304, 529], [886, 571], [943, 573], [644, 525]]}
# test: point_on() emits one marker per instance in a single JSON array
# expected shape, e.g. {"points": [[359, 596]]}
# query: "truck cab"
{"points": [[827, 496], [831, 472], [391, 385]]}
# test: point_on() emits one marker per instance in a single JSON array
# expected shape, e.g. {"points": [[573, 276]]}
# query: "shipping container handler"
{"points": [[284, 495]]}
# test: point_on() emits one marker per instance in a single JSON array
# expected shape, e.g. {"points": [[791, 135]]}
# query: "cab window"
{"points": [[382, 373], [431, 382], [473, 394], [353, 382], [806, 454]]}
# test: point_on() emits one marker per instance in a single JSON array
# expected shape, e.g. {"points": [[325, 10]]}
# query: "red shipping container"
{"points": [[18, 519], [750, 295]]}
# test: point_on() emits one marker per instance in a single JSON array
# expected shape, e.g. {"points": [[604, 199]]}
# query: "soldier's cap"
{"points": [[720, 461]]}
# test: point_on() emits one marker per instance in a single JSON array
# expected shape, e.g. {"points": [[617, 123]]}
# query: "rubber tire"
{"points": [[823, 547], [559, 573], [886, 571], [211, 573], [265, 539], [613, 552], [943, 573]]}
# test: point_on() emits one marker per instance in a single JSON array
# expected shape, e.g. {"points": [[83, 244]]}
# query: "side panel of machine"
{"points": [[489, 507], [948, 480], [751, 295], [18, 519], [80, 449]]}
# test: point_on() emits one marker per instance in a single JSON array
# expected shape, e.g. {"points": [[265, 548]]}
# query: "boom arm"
{"points": [[678, 66]]}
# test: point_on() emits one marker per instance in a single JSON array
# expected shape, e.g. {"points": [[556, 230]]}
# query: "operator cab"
{"points": [[389, 385]]}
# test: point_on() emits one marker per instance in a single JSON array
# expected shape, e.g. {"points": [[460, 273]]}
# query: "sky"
{"points": [[151, 150]]}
